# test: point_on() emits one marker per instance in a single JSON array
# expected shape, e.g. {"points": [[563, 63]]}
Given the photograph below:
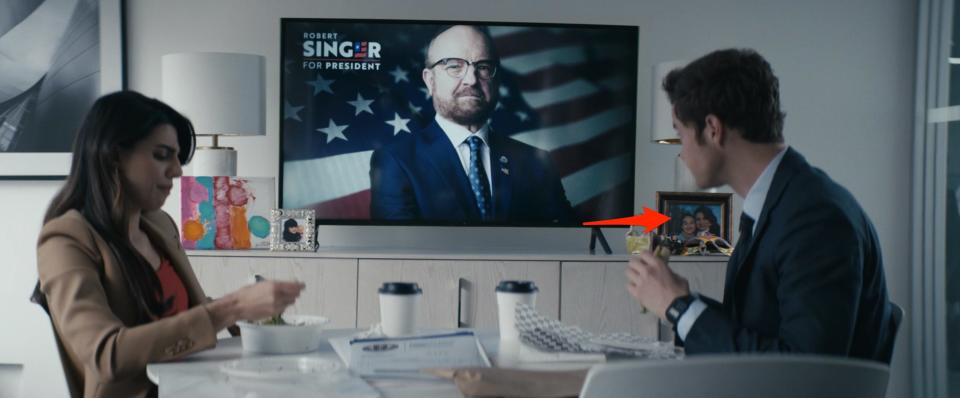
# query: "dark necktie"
{"points": [[746, 231], [739, 255], [478, 177]]}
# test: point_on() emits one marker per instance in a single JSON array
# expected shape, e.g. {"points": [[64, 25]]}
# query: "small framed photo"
{"points": [[292, 230], [695, 214]]}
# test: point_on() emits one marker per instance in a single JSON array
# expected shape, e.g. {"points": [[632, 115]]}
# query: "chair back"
{"points": [[729, 376], [73, 383], [38, 298]]}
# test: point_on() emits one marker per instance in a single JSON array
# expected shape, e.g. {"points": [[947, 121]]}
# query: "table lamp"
{"points": [[222, 94], [662, 131]]}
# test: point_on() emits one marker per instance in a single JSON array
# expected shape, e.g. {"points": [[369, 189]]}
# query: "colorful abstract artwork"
{"points": [[221, 213]]}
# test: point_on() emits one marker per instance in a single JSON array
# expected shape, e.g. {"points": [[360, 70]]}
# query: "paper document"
{"points": [[408, 355]]}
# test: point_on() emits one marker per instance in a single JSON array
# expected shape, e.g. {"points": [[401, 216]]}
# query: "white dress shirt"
{"points": [[752, 206], [458, 137], [757, 196]]}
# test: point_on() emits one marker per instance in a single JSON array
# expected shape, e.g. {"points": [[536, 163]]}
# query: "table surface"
{"points": [[208, 363]]}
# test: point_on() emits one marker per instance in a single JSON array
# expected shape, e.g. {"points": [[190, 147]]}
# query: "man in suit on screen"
{"points": [[806, 275], [456, 169]]}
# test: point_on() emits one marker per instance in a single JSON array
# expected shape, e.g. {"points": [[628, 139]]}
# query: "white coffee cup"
{"points": [[509, 294], [398, 308]]}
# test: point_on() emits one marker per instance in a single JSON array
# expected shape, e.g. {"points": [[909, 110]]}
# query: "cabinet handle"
{"points": [[463, 312]]}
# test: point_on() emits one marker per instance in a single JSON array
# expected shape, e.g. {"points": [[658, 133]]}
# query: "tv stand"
{"points": [[597, 233]]}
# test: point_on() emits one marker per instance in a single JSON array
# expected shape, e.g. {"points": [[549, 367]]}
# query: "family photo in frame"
{"points": [[695, 214], [292, 230]]}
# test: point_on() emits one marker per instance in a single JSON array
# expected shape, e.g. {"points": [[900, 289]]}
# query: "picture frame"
{"points": [[293, 230], [83, 74], [708, 212]]}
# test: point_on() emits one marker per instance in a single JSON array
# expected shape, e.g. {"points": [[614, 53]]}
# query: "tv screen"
{"points": [[457, 123]]}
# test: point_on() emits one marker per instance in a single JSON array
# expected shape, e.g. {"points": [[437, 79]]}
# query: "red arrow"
{"points": [[649, 219]]}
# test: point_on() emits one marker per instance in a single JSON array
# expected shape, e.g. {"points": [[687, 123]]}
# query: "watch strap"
{"points": [[678, 307]]}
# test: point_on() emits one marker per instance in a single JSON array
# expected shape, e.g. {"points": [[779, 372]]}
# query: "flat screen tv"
{"points": [[388, 122]]}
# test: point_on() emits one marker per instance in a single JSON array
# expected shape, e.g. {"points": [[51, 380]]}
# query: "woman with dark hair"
{"points": [[291, 231], [706, 222], [117, 285]]}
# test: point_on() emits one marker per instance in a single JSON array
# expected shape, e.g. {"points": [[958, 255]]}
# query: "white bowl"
{"points": [[301, 334]]}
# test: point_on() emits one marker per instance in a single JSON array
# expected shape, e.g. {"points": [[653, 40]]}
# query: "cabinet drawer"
{"points": [[455, 293], [331, 284], [595, 298]]}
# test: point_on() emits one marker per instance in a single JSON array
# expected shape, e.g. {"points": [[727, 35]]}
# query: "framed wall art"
{"points": [[58, 58]]}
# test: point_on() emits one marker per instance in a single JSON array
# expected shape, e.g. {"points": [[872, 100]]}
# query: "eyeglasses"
{"points": [[457, 67]]}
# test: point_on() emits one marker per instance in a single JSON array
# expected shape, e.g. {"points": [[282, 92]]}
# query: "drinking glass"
{"points": [[637, 242]]}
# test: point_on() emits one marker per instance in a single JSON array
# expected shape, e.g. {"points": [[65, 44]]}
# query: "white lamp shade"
{"points": [[221, 93], [662, 119]]}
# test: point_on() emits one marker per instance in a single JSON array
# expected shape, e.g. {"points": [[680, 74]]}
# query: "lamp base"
{"points": [[214, 161]]}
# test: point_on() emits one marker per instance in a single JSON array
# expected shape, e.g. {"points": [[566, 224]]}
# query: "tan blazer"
{"points": [[92, 314]]}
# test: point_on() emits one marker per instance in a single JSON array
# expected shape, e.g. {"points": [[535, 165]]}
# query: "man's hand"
{"points": [[653, 284]]}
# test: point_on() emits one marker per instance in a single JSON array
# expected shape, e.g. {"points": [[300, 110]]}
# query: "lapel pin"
{"points": [[504, 170], [504, 160]]}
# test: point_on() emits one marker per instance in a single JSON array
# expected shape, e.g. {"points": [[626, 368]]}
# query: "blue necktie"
{"points": [[478, 177]]}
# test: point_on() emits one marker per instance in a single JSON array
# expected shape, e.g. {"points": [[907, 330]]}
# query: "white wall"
{"points": [[26, 336], [846, 73]]}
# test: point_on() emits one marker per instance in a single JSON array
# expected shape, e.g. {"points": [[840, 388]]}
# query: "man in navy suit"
{"points": [[456, 170], [806, 275]]}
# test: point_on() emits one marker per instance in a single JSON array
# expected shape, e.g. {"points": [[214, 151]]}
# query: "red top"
{"points": [[173, 290]]}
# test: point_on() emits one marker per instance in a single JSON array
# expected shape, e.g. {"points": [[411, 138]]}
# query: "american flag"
{"points": [[570, 91]]}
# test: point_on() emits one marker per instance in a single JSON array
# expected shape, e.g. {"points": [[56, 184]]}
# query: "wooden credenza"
{"points": [[458, 288]]}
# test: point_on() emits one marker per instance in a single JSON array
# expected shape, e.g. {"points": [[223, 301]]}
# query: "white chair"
{"points": [[728, 376]]}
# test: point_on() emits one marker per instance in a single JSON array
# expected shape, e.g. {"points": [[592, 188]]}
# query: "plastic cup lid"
{"points": [[400, 288], [517, 287]]}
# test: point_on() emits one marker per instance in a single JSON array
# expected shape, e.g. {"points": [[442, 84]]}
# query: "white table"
{"points": [[206, 364]]}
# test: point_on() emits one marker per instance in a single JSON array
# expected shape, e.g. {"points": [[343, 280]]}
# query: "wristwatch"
{"points": [[678, 307]]}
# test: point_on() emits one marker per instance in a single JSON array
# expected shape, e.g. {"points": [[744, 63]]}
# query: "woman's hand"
{"points": [[256, 301]]}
